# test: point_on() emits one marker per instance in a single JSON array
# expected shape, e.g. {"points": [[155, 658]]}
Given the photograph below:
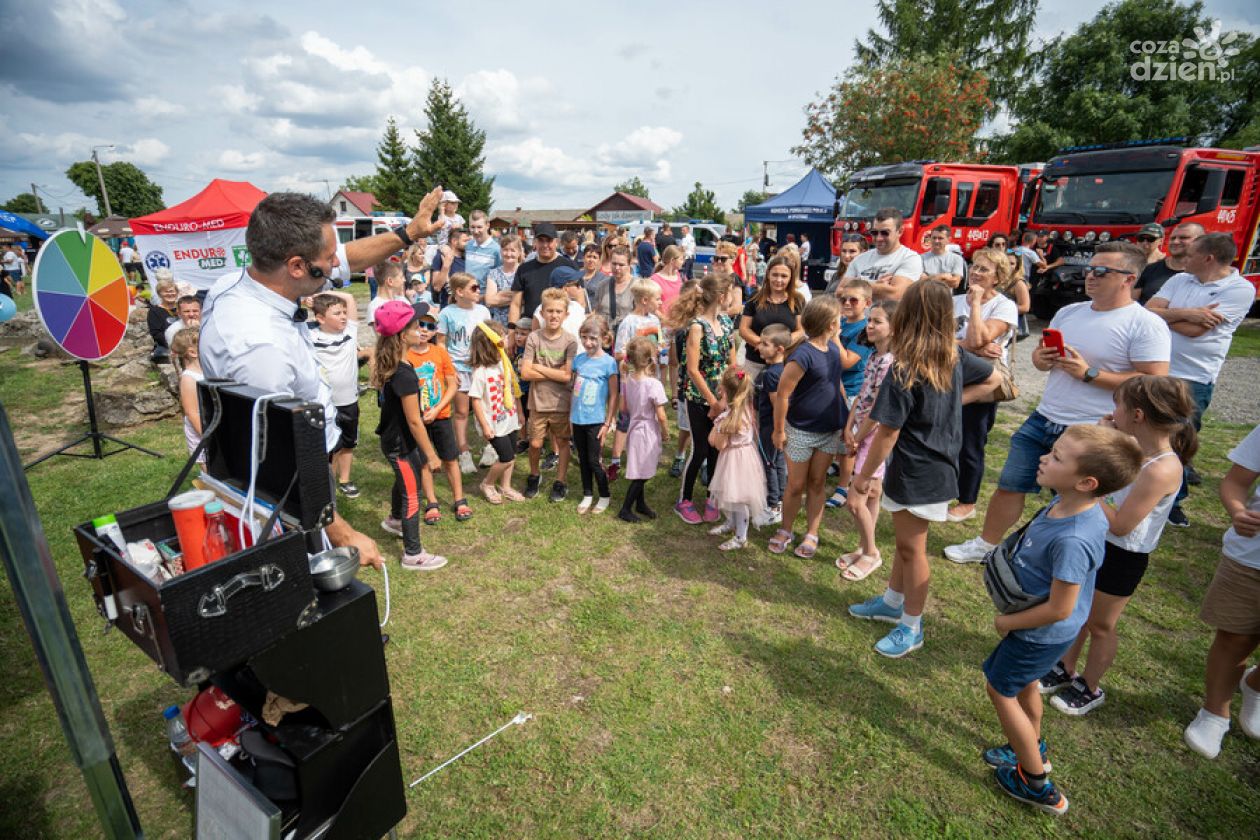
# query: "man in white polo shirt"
{"points": [[1106, 340], [1202, 306]]}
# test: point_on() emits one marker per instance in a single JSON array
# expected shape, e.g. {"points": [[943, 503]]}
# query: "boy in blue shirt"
{"points": [[854, 295], [1057, 558], [775, 339]]}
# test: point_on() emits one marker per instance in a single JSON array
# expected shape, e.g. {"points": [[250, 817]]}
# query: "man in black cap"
{"points": [[1149, 238], [535, 275]]}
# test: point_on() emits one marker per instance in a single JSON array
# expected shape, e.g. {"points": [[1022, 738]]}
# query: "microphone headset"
{"points": [[314, 270]]}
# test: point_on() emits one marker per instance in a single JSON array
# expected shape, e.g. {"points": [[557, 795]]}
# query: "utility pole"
{"points": [[39, 208], [101, 177]]}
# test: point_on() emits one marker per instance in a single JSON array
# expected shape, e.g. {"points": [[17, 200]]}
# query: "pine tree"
{"points": [[396, 186], [990, 37], [450, 151]]}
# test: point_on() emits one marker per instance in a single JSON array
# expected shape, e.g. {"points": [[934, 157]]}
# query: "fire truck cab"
{"points": [[1093, 194], [975, 201]]}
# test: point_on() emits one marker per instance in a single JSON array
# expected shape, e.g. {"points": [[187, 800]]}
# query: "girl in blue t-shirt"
{"points": [[593, 409], [810, 411]]}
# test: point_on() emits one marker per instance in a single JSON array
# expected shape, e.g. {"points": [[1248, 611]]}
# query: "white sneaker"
{"points": [[488, 457], [972, 551], [1205, 733], [466, 465], [1249, 717], [584, 506], [602, 504]]}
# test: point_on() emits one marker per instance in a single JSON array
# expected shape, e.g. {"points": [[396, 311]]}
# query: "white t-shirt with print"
{"points": [[1245, 550], [1201, 359], [1110, 341], [872, 265], [489, 386]]}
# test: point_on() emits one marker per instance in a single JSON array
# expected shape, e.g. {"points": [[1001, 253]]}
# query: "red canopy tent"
{"points": [[201, 238]]}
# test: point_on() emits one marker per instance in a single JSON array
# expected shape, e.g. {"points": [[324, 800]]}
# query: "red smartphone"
{"points": [[1054, 339]]}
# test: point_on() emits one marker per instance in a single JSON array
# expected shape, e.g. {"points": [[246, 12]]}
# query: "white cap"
{"points": [[449, 195]]}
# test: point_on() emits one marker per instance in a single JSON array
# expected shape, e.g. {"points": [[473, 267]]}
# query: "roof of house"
{"points": [[638, 201], [527, 218], [365, 201]]}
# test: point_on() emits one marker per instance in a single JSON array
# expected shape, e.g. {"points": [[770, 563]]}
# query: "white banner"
{"points": [[195, 258]]}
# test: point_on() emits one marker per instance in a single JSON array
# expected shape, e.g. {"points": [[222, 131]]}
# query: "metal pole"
{"points": [[39, 208], [101, 177], [91, 407], [42, 603]]}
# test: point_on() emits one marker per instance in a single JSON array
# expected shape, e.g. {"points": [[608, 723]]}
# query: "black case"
{"points": [[215, 617]]}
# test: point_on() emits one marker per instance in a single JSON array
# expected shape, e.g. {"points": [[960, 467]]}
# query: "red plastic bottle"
{"points": [[218, 543]]}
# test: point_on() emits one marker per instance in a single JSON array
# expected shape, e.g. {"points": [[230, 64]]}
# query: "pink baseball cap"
{"points": [[393, 317]]}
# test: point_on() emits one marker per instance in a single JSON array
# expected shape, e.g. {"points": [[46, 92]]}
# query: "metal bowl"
{"points": [[333, 569]]}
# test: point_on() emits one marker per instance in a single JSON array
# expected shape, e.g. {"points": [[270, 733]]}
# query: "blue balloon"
{"points": [[7, 308]]}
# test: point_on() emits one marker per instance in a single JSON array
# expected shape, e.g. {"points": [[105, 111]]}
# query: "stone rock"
{"points": [[129, 407]]}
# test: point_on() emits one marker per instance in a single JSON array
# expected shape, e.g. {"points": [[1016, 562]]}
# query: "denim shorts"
{"points": [[1015, 663], [1032, 440]]}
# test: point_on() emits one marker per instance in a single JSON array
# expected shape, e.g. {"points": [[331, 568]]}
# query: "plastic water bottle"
{"points": [[218, 543], [181, 742]]}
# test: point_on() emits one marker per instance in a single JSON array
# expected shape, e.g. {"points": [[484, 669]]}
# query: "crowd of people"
{"points": [[888, 379]]}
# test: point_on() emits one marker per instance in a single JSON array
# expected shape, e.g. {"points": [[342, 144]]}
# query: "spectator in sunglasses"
{"points": [[889, 267], [1149, 239]]}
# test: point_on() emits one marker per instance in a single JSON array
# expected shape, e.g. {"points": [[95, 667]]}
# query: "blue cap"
{"points": [[170, 712], [564, 275], [214, 506]]}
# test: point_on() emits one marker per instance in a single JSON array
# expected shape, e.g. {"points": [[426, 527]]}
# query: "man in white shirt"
{"points": [[941, 264], [889, 267], [805, 248], [1203, 306], [252, 329], [688, 243], [1105, 341]]}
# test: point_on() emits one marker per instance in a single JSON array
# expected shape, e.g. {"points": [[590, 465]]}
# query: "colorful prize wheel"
{"points": [[81, 294]]}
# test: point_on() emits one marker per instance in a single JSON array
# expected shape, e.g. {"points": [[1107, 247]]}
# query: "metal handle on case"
{"points": [[142, 623], [214, 603]]}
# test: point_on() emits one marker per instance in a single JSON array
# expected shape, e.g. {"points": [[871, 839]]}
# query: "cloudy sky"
{"points": [[573, 97]]}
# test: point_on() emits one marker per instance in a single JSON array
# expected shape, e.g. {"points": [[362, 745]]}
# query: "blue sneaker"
{"points": [[874, 609], [1004, 756], [899, 641], [1049, 799]]}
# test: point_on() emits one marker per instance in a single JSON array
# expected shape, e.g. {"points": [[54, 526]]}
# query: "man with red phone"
{"points": [[1088, 350]]}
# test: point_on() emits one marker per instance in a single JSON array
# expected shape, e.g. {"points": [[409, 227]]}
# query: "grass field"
{"points": [[676, 691]]}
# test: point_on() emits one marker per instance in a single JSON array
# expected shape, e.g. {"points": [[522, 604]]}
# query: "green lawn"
{"points": [[676, 690], [1246, 340]]}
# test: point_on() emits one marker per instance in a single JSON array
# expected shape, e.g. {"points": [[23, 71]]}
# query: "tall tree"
{"points": [[1093, 86], [131, 193], [906, 110], [22, 203], [989, 37], [450, 151], [396, 185], [362, 183], [749, 198], [633, 187], [700, 204]]}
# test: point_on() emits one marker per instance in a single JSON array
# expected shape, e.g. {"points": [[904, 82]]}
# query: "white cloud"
{"points": [[645, 145], [499, 101], [146, 151], [533, 163], [234, 160], [154, 106], [235, 98]]}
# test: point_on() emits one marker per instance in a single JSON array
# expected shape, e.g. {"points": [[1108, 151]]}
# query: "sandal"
{"points": [[512, 494], [492, 494], [844, 561], [780, 541], [855, 573], [462, 511], [432, 514], [808, 547]]}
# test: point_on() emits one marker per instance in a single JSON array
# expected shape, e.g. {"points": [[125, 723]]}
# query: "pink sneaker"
{"points": [[687, 513], [711, 513], [423, 562]]}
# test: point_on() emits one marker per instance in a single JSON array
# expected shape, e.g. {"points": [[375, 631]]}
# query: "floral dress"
{"points": [[715, 352]]}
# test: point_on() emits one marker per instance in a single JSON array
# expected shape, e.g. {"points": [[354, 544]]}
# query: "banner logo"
{"points": [[240, 254], [156, 259]]}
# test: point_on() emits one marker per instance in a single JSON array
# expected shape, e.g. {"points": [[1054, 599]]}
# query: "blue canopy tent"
{"points": [[17, 224], [808, 207]]}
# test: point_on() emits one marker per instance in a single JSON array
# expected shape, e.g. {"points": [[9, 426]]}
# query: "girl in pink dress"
{"points": [[643, 398], [739, 480]]}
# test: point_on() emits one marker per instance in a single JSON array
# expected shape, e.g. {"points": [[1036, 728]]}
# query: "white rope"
{"points": [[520, 718], [385, 571], [247, 507]]}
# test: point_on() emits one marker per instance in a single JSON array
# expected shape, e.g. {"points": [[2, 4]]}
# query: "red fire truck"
{"points": [[975, 201], [1093, 194]]}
